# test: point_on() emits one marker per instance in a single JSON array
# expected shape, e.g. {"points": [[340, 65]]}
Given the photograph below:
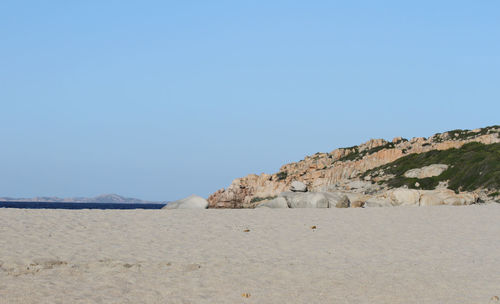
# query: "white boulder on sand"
{"points": [[279, 202], [315, 200], [190, 202]]}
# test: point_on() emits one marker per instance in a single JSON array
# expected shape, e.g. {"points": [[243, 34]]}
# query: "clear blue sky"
{"points": [[161, 99]]}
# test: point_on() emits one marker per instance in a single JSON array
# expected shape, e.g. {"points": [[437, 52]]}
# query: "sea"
{"points": [[76, 206]]}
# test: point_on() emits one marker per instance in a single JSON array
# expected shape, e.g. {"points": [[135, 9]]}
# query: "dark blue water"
{"points": [[102, 206]]}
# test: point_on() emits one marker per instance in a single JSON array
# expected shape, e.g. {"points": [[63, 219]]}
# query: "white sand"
{"points": [[381, 255]]}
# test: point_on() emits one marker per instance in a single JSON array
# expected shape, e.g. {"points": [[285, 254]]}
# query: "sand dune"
{"points": [[383, 255]]}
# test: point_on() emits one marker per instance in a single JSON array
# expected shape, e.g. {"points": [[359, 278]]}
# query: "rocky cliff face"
{"points": [[341, 169]]}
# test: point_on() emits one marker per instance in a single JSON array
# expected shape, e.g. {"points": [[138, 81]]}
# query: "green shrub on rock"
{"points": [[474, 165]]}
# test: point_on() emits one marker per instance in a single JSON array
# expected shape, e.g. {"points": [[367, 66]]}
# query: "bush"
{"points": [[282, 175]]}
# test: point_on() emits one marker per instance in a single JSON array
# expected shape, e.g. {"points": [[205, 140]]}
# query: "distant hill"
{"points": [[105, 198]]}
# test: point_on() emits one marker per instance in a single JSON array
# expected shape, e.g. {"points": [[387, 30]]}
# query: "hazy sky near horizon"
{"points": [[162, 99]]}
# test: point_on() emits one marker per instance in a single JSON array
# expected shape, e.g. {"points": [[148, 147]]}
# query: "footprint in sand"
{"points": [[192, 267]]}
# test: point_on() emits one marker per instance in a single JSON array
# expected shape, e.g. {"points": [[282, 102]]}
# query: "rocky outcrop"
{"points": [[242, 190], [307, 200], [412, 197], [190, 202], [340, 170], [447, 197]]}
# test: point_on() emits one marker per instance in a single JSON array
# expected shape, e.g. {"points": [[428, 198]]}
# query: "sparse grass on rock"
{"points": [[357, 155], [259, 199]]}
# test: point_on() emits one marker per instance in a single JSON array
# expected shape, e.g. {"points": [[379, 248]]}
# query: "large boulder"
{"points": [[297, 186], [336, 200], [427, 171], [404, 197], [378, 202], [305, 199], [278, 203], [190, 202], [446, 197], [315, 200], [394, 197], [411, 197]]}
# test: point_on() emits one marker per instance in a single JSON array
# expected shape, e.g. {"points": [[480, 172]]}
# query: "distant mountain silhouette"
{"points": [[105, 198]]}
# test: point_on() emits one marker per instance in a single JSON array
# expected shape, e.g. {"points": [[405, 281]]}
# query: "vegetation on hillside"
{"points": [[472, 166], [356, 154], [282, 175], [460, 134]]}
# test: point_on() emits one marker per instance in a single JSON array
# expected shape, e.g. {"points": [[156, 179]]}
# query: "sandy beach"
{"points": [[379, 255]]}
